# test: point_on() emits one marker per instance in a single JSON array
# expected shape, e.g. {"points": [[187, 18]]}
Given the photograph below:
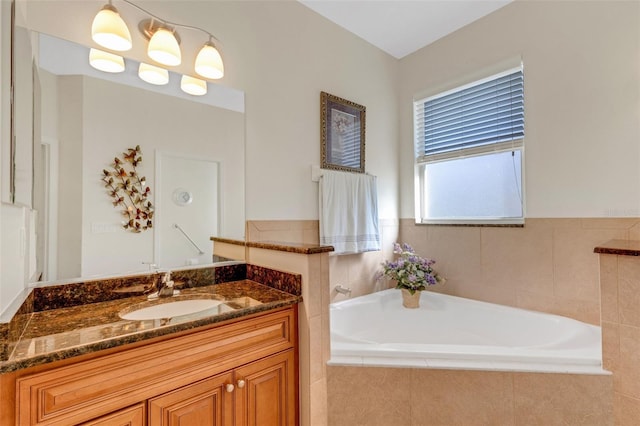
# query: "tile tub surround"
{"points": [[63, 333], [548, 265], [71, 294], [620, 307], [373, 396]]}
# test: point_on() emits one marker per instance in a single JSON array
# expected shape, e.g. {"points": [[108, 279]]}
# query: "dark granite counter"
{"points": [[278, 246], [619, 247], [64, 332]]}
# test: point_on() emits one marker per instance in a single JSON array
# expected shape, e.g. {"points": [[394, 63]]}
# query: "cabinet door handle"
{"points": [[241, 383], [229, 387]]}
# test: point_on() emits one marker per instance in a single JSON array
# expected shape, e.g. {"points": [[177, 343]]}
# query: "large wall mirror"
{"points": [[71, 120]]}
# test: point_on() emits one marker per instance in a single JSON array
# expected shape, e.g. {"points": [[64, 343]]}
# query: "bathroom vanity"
{"points": [[237, 366]]}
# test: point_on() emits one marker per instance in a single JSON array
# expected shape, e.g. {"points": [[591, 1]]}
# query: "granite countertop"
{"points": [[300, 248], [62, 333], [619, 247]]}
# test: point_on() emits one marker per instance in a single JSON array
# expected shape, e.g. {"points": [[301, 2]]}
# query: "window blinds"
{"points": [[477, 118]]}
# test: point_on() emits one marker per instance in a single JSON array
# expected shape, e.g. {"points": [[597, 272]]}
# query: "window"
{"points": [[469, 144]]}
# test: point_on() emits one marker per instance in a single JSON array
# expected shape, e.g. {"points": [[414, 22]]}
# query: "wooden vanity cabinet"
{"points": [[253, 395], [235, 374], [132, 416]]}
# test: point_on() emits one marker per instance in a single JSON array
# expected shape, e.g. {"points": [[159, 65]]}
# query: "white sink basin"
{"points": [[171, 309]]}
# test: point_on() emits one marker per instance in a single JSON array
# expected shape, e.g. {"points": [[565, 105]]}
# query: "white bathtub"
{"points": [[453, 332]]}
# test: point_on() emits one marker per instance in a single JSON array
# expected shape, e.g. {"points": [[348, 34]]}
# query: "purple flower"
{"points": [[409, 270]]}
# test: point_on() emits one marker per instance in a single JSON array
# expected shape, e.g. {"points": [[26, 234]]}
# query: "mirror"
{"points": [[80, 119]]}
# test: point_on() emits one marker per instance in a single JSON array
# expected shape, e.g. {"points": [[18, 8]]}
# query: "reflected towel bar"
{"points": [[175, 225]]}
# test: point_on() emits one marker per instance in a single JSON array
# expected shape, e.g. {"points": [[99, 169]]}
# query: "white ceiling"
{"points": [[400, 27]]}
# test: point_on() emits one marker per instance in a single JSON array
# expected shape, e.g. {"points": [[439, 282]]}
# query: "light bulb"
{"points": [[109, 29], [209, 62], [163, 48], [193, 86], [153, 75], [105, 61]]}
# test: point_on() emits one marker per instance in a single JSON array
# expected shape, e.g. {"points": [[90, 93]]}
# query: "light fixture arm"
{"points": [[173, 25]]}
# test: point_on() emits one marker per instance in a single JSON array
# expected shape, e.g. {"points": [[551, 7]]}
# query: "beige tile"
{"points": [[326, 339], [456, 251], [627, 377], [363, 268], [318, 411], [304, 369], [634, 232], [411, 233], [338, 274], [553, 222], [588, 312], [623, 223], [486, 293], [368, 396], [312, 297], [563, 399], [455, 397], [293, 231], [316, 363], [609, 287], [518, 257], [576, 269], [629, 290], [610, 347], [627, 410]]}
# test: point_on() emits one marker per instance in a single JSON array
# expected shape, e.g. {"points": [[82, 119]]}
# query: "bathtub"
{"points": [[456, 333]]}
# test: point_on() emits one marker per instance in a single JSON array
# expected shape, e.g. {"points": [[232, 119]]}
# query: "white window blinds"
{"points": [[484, 116]]}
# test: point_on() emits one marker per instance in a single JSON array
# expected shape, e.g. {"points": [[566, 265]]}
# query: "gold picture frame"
{"points": [[342, 132]]}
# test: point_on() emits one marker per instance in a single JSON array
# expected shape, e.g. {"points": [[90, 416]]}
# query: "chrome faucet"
{"points": [[342, 290], [164, 286]]}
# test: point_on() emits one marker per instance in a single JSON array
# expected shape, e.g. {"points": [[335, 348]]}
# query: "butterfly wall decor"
{"points": [[130, 191]]}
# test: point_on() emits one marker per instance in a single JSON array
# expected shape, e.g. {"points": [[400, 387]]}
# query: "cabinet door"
{"points": [[205, 403], [132, 416], [267, 391]]}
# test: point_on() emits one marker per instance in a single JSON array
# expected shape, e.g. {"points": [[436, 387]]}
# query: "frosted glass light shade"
{"points": [[152, 74], [193, 86], [163, 48], [109, 30], [105, 61], [209, 62]]}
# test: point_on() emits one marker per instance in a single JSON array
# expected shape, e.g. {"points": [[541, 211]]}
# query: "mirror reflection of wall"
{"points": [[103, 121], [82, 120], [187, 189]]}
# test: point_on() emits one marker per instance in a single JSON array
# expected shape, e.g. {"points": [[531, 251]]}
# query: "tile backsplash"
{"points": [[548, 265]]}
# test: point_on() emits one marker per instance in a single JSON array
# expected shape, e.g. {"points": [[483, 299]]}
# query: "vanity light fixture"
{"points": [[109, 29], [209, 62], [105, 61], [193, 86], [163, 45], [153, 75]]}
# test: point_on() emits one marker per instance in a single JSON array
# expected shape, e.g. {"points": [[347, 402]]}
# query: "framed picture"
{"points": [[342, 126]]}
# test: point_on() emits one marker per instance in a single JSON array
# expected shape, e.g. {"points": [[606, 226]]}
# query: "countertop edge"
{"points": [[10, 366], [619, 247], [278, 246]]}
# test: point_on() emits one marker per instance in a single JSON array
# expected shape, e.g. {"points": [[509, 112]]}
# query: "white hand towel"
{"points": [[349, 212]]}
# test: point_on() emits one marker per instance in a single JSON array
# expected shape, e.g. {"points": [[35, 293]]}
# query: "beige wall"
{"points": [[285, 55], [582, 100]]}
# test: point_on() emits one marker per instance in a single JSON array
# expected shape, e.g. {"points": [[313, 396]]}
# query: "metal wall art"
{"points": [[130, 191]]}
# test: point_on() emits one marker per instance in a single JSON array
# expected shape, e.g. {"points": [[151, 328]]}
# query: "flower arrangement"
{"points": [[410, 271]]}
